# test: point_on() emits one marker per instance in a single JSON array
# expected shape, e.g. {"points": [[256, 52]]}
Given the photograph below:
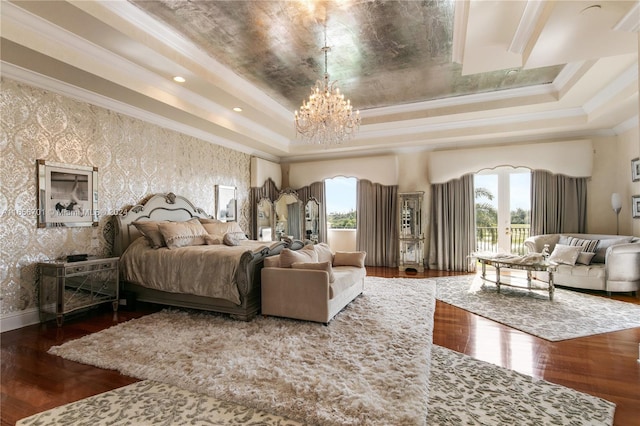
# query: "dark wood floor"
{"points": [[603, 365]]}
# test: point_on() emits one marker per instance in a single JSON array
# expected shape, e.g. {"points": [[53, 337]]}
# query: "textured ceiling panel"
{"points": [[383, 52]]}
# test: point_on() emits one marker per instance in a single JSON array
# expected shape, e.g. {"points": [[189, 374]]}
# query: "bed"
{"points": [[211, 276]]}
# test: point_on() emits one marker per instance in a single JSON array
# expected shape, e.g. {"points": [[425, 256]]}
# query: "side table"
{"points": [[70, 286]]}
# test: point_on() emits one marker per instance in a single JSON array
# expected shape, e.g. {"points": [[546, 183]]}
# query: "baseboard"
{"points": [[14, 320]]}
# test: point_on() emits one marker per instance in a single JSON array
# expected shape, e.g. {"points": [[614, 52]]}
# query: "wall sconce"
{"points": [[616, 205]]}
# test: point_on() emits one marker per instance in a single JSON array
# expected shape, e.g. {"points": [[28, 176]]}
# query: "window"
{"points": [[341, 202]]}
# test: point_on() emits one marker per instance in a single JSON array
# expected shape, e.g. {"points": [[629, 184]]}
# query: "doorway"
{"points": [[503, 209]]}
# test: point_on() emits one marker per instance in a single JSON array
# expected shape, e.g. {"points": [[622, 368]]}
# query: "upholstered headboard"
{"points": [[159, 207]]}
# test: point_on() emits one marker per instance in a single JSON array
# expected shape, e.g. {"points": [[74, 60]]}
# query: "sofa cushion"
{"points": [[604, 244], [324, 252], [588, 246], [565, 254], [305, 254], [346, 277], [316, 266], [584, 258], [591, 271], [349, 258]]}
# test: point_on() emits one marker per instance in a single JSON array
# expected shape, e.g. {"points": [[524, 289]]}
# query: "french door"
{"points": [[503, 209]]}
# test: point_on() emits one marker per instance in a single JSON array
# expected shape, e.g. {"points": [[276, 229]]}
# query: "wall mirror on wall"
{"points": [[226, 203], [265, 220], [67, 195], [312, 220], [288, 215]]}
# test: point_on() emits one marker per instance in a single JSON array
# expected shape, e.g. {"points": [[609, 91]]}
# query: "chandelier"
{"points": [[326, 118]]}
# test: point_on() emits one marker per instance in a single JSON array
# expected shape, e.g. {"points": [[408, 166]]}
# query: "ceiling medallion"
{"points": [[326, 118]]}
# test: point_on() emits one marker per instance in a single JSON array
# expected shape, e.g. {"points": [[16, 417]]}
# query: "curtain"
{"points": [[317, 190], [453, 222], [267, 190], [377, 223], [294, 216], [558, 203]]}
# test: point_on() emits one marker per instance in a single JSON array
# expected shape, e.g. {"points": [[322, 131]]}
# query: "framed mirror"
{"points": [[226, 203], [265, 220], [312, 220], [289, 210]]}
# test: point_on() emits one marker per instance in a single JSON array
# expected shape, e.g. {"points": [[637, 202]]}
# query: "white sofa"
{"points": [[614, 268], [314, 288]]}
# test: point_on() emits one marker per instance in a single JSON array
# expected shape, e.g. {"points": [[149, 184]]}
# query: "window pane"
{"points": [[341, 202]]}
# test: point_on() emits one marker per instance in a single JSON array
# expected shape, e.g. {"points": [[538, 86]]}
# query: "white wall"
{"points": [[261, 170]]}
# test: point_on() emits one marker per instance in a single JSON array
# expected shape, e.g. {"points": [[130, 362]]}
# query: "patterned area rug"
{"points": [[370, 365], [571, 314], [463, 391]]}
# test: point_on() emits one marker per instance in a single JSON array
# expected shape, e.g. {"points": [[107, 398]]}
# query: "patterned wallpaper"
{"points": [[134, 159]]}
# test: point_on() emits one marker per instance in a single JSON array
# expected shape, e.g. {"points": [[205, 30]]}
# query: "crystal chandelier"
{"points": [[326, 118]]}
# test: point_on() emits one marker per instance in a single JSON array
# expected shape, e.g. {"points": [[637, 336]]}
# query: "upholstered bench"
{"points": [[312, 283]]}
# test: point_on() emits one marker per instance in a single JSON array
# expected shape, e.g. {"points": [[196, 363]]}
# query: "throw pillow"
{"points": [[272, 261], [584, 258], [349, 258], [601, 251], [149, 229], [233, 238], [210, 240], [289, 257], [207, 220], [565, 254], [182, 234], [324, 252], [218, 229], [588, 246], [316, 266]]}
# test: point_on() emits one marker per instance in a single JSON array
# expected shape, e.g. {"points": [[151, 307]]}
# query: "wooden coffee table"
{"points": [[506, 263]]}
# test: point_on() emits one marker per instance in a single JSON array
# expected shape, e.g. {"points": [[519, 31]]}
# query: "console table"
{"points": [[70, 286], [506, 263]]}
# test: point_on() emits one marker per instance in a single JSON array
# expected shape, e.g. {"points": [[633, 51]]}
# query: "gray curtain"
{"points": [[294, 217], [558, 203], [267, 190], [317, 190], [453, 223], [377, 223]]}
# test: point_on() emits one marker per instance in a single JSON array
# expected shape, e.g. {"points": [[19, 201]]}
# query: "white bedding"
{"points": [[203, 270]]}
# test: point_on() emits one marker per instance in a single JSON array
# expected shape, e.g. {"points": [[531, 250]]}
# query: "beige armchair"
{"points": [[311, 284]]}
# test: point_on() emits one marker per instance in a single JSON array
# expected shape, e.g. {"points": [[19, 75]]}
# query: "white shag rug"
{"points": [[463, 391], [571, 314], [370, 365]]}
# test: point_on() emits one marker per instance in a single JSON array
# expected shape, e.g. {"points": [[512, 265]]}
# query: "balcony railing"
{"points": [[487, 238]]}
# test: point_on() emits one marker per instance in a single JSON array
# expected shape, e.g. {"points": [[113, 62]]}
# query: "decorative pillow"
{"points": [[272, 261], [565, 254], [289, 257], [349, 258], [316, 266], [324, 252], [233, 238], [588, 246], [182, 234], [149, 229], [584, 258], [204, 220], [210, 240], [219, 229], [601, 251]]}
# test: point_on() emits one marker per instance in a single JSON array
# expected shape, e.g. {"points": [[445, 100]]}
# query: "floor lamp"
{"points": [[616, 205]]}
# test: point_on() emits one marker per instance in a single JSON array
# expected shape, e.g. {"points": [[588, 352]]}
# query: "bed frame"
{"points": [[176, 208]]}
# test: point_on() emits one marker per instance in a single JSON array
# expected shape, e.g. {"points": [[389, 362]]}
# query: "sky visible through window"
{"points": [[519, 189], [341, 194]]}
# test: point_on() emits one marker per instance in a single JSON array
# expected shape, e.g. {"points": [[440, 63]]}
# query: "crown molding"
{"points": [[631, 21], [460, 22], [526, 27], [627, 125], [630, 76]]}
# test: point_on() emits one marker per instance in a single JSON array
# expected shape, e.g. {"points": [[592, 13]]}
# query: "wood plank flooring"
{"points": [[604, 365]]}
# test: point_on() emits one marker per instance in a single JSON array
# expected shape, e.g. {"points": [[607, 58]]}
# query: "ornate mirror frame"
{"points": [[286, 226]]}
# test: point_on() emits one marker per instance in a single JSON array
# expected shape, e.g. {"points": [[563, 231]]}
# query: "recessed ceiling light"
{"points": [[237, 109], [179, 79]]}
